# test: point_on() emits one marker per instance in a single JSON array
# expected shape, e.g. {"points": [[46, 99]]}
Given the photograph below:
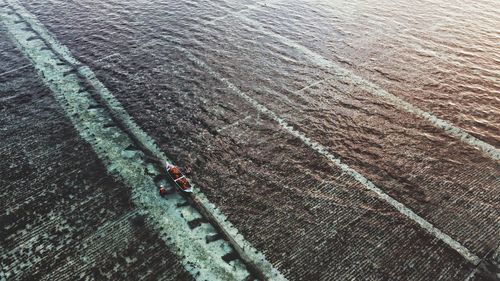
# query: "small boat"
{"points": [[180, 180]]}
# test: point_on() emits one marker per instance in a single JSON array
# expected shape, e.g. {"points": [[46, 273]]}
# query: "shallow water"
{"points": [[303, 61], [443, 57]]}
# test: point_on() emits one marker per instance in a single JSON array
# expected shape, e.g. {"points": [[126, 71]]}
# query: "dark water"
{"points": [[442, 57], [62, 216]]}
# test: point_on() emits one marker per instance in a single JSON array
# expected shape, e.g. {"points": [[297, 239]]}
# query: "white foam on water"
{"points": [[203, 260], [466, 253], [14, 70], [450, 129]]}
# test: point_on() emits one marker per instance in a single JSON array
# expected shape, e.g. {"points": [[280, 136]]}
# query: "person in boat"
{"points": [[183, 183], [174, 171]]}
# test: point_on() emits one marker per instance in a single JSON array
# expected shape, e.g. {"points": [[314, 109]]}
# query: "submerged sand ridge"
{"points": [[310, 218]]}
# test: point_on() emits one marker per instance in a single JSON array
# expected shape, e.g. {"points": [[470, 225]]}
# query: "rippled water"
{"points": [[442, 56]]}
